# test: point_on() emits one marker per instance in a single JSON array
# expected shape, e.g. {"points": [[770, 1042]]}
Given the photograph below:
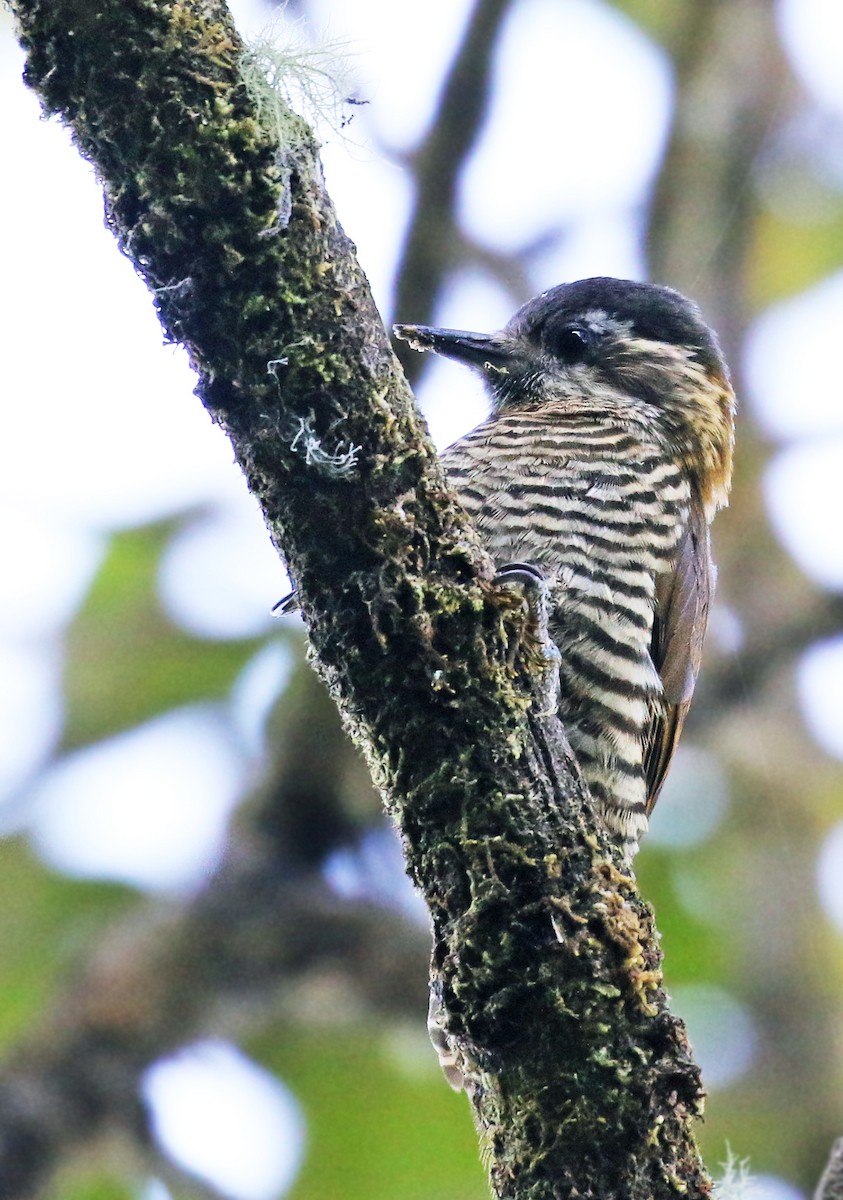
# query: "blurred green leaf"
{"points": [[375, 1128], [78, 1183], [46, 922], [790, 256], [125, 661], [656, 17], [695, 949]]}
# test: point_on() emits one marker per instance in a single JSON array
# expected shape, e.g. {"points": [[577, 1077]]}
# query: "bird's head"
{"points": [[630, 350]]}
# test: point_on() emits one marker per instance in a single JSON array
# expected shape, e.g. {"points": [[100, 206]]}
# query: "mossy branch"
{"points": [[550, 966]]}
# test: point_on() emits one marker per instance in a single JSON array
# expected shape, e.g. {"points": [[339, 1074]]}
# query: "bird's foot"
{"points": [[536, 592], [450, 1059], [527, 574], [288, 604]]}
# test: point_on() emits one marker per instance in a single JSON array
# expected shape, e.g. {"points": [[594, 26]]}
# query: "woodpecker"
{"points": [[607, 454]]}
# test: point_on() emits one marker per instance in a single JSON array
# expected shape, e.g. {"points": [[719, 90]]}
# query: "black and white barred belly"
{"points": [[600, 508]]}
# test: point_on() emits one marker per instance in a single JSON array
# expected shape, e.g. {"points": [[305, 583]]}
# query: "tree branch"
{"points": [[549, 960], [265, 924], [433, 237], [830, 1186], [158, 982], [733, 87]]}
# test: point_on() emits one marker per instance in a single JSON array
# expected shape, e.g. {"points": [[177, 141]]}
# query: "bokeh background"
{"points": [[212, 968]]}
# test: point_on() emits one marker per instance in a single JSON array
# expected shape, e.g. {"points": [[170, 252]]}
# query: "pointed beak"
{"points": [[474, 349]]}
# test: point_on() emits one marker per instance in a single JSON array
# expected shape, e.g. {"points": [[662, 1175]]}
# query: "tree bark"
{"points": [[583, 1081]]}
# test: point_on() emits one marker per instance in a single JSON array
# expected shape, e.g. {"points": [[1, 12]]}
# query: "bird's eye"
{"points": [[572, 343]]}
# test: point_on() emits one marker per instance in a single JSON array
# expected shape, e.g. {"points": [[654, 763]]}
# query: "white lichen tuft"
{"points": [[338, 462], [303, 438], [292, 79], [736, 1183]]}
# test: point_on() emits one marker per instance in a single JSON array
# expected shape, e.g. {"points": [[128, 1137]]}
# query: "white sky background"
{"points": [[101, 430]]}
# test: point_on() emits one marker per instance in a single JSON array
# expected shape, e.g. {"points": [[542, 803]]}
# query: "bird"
{"points": [[607, 453]]}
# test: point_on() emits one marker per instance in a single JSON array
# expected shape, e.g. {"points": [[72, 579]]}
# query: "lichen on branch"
{"points": [[548, 957]]}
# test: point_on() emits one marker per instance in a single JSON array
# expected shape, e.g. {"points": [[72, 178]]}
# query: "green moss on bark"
{"points": [[584, 1086]]}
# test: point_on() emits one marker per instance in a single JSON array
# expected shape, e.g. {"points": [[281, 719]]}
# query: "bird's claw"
{"points": [[288, 604], [536, 593], [447, 1050], [526, 574]]}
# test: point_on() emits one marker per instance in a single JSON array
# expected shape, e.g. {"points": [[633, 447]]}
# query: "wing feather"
{"points": [[683, 596]]}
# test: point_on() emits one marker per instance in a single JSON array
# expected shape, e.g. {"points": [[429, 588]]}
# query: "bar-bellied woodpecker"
{"points": [[608, 452]]}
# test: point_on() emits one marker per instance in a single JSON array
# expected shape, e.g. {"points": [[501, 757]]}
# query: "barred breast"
{"points": [[601, 508]]}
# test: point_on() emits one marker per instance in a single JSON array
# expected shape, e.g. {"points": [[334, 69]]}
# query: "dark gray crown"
{"points": [[656, 313]]}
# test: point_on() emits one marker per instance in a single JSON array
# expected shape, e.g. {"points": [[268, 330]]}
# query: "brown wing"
{"points": [[683, 596]]}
